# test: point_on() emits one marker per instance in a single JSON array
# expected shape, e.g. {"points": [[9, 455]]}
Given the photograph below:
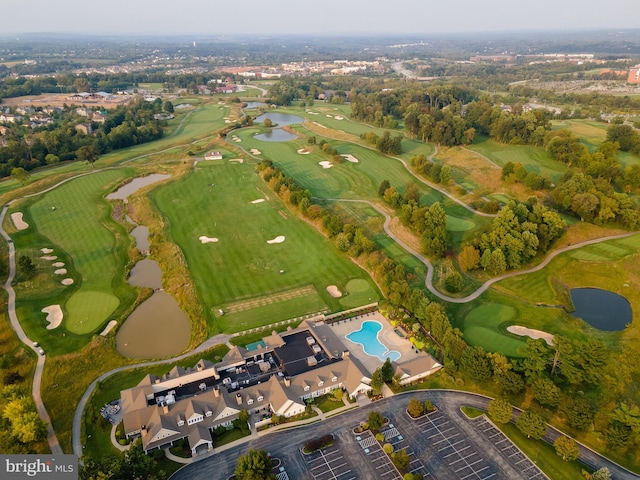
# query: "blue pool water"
{"points": [[367, 336]]}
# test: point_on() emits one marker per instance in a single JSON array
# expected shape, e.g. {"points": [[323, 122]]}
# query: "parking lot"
{"points": [[330, 464]]}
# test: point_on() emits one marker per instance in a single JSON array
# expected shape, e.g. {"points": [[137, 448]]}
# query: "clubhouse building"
{"points": [[275, 377]]}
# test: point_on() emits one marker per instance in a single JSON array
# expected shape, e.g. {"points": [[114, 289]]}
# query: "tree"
{"points": [[88, 153], [168, 106], [20, 175], [401, 459], [498, 263], [469, 258], [475, 362], [601, 474], [267, 123], [500, 410], [255, 465], [546, 392], [567, 448], [26, 267], [510, 382], [536, 354], [387, 370], [377, 380], [384, 185], [375, 420], [531, 424], [415, 407], [579, 414]]}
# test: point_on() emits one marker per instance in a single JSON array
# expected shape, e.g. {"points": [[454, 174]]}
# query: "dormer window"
{"points": [[180, 423], [320, 383], [250, 401], [260, 398], [334, 379], [209, 413], [306, 388]]}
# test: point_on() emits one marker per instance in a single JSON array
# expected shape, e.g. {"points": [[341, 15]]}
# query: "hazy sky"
{"points": [[213, 17]]}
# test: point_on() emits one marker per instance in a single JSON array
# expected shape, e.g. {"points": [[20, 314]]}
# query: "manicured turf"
{"points": [[535, 159], [455, 224], [359, 292], [481, 326], [215, 201], [77, 225]]}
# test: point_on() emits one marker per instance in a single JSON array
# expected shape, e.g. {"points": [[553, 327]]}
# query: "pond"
{"points": [[280, 119], [601, 309], [146, 273], [251, 105], [276, 135], [157, 328], [136, 184]]}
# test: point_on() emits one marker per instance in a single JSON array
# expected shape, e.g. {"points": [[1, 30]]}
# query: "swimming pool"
{"points": [[367, 336]]}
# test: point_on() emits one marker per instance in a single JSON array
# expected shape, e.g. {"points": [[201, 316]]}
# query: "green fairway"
{"points": [[482, 328], [455, 224], [359, 293], [535, 159], [80, 226], [216, 201]]}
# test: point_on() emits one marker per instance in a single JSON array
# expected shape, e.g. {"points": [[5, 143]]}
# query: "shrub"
{"points": [[379, 437], [388, 448], [429, 406], [415, 408]]}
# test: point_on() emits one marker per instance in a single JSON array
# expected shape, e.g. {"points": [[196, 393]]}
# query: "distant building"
{"points": [[634, 74], [214, 155], [84, 128]]}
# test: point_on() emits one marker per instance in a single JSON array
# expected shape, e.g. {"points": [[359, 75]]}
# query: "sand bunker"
{"points": [[58, 264], [108, 328], [46, 250], [67, 281], [319, 125], [259, 200], [60, 271], [329, 116], [17, 220], [304, 151], [528, 332], [204, 239], [278, 239], [326, 164], [255, 151], [334, 291], [236, 160], [54, 316], [349, 158], [49, 257], [338, 117]]}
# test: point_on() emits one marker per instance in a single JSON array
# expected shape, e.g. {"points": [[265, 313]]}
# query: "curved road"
{"points": [[429, 277], [54, 445]]}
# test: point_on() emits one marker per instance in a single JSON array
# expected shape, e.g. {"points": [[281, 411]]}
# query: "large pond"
{"points": [[136, 184], [157, 328], [601, 309], [277, 134]]}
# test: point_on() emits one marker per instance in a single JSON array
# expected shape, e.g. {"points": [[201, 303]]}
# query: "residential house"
{"points": [[634, 74], [84, 128], [214, 155]]}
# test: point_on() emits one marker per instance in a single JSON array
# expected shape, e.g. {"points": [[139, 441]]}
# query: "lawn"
{"points": [[76, 223], [535, 159], [215, 201], [482, 327]]}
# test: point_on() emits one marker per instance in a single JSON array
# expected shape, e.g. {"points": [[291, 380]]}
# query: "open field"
{"points": [[215, 200], [534, 159]]}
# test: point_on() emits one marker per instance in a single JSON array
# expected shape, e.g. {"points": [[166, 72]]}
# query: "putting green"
{"points": [[359, 293], [481, 328], [455, 224], [88, 310]]}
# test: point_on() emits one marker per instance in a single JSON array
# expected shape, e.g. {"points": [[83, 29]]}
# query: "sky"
{"points": [[213, 17]]}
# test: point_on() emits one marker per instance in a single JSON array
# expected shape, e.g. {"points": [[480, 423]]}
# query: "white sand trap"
{"points": [[350, 158], [204, 239], [255, 151], [316, 123], [334, 291], [108, 328], [278, 239], [46, 250], [529, 332], [58, 264], [326, 164], [54, 316], [330, 116], [227, 121], [338, 117], [60, 271], [49, 257], [67, 281], [259, 200], [17, 220], [304, 151], [238, 140], [236, 160]]}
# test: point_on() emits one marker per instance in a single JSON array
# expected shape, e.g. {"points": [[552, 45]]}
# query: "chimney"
{"points": [[239, 398], [165, 408], [143, 430], [345, 354], [216, 392], [287, 382]]}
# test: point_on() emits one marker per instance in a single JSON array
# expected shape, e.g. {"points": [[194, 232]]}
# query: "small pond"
{"points": [[280, 119], [157, 328], [601, 309], [251, 105], [136, 184], [276, 135], [146, 273]]}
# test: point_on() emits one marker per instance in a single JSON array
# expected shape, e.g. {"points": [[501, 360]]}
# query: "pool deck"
{"points": [[387, 336]]}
